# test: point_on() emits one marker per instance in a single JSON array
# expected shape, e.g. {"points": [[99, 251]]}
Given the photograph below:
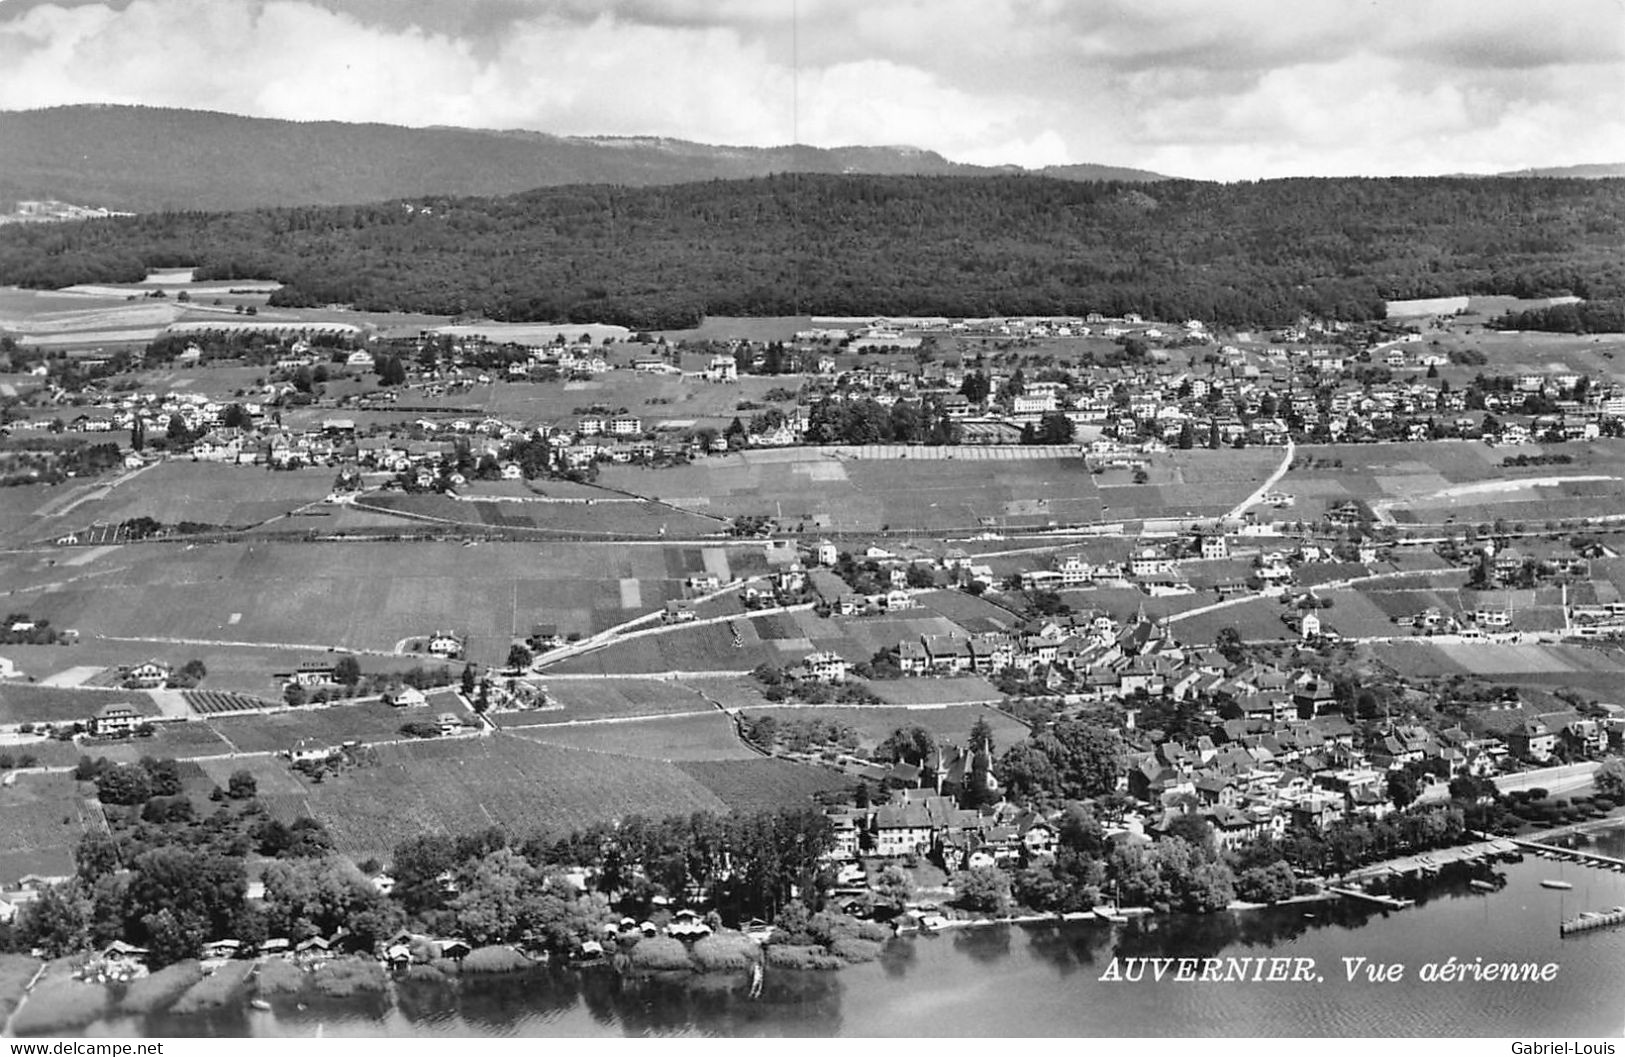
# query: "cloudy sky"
{"points": [[1214, 89]]}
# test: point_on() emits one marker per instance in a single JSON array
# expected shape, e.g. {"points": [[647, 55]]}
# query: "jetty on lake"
{"points": [[1386, 902], [1592, 919], [1583, 856]]}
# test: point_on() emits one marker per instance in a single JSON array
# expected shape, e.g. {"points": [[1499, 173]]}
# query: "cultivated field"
{"points": [[467, 784], [710, 736], [608, 699], [950, 724], [1460, 480], [358, 596], [1499, 660], [176, 490], [763, 784], [178, 740], [42, 818], [825, 492], [618, 518], [26, 703], [365, 721]]}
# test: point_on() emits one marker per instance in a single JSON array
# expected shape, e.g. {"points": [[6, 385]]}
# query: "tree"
{"points": [[920, 576], [519, 657], [981, 735], [138, 434], [1087, 758], [904, 744], [893, 888], [242, 786], [1055, 428], [984, 888], [468, 680], [1402, 788], [347, 671], [177, 431], [126, 784], [57, 921], [1610, 777], [181, 897]]}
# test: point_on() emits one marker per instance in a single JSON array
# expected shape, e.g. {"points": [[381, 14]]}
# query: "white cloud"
{"points": [[1193, 87]]}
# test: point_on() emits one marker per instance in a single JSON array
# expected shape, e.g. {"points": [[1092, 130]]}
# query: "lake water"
{"points": [[1045, 981]]}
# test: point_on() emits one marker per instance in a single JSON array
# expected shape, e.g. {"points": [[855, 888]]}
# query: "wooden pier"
{"points": [[1386, 902], [1579, 855]]}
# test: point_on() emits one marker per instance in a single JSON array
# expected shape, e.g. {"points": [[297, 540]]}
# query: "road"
{"points": [[1269, 482]]}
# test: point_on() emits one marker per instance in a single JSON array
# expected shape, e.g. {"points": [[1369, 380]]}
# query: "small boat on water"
{"points": [[1110, 914], [260, 1004], [1564, 885], [1483, 885]]}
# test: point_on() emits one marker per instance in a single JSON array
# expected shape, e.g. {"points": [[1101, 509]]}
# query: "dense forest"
{"points": [[1252, 253], [1582, 317]]}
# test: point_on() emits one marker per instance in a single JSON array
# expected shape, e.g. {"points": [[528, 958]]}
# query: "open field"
{"points": [[179, 490], [704, 737], [42, 818], [468, 784], [608, 699], [949, 724], [709, 647], [618, 519], [927, 690], [1498, 660], [1431, 481], [26, 703], [179, 740], [365, 721], [763, 784], [359, 596], [974, 614], [825, 492], [654, 398]]}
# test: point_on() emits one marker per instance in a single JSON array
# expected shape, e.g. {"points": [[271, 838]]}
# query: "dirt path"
{"points": [[1270, 482]]}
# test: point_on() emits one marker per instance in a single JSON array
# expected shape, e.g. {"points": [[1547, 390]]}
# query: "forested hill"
{"points": [[660, 257], [144, 159]]}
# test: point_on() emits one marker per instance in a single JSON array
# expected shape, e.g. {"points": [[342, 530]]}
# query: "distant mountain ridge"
{"points": [[1599, 171], [146, 159]]}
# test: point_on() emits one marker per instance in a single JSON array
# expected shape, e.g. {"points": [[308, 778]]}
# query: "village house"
{"points": [[115, 719]]}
